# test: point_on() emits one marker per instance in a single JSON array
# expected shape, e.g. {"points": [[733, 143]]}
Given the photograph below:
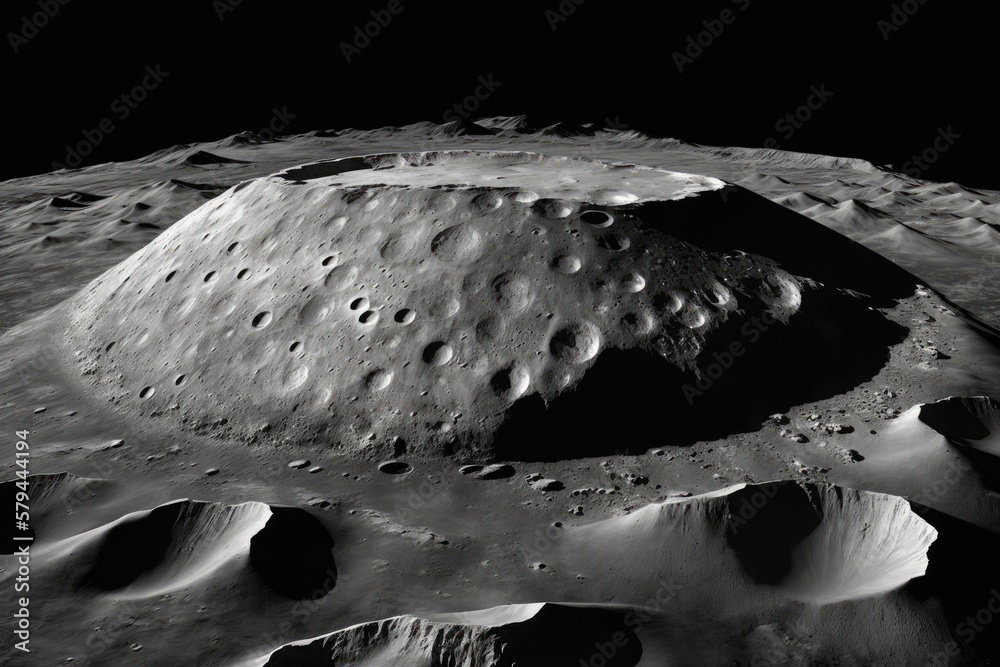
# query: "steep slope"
{"points": [[529, 635]]}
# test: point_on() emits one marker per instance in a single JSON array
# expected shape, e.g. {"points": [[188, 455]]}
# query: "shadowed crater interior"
{"points": [[133, 548], [293, 554], [765, 522], [632, 400], [773, 231], [567, 637], [971, 425], [962, 575], [555, 636]]}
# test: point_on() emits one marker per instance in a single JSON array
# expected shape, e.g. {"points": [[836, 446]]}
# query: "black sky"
{"points": [[891, 91]]}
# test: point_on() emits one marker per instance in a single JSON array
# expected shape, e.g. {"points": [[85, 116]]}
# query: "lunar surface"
{"points": [[488, 395]]}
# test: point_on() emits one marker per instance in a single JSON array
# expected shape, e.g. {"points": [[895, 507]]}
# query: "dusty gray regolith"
{"points": [[418, 296]]}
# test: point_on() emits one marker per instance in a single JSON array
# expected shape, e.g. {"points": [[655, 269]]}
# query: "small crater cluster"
{"points": [[379, 312]]}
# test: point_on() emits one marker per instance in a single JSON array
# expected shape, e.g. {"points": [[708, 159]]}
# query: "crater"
{"points": [[395, 467], [598, 219], [575, 343], [261, 320], [438, 353], [404, 316], [459, 243], [378, 379]]}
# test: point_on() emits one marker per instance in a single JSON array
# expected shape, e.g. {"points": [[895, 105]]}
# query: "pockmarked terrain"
{"points": [[487, 394]]}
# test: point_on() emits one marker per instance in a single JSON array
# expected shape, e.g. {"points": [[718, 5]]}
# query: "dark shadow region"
{"points": [[632, 400]]}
